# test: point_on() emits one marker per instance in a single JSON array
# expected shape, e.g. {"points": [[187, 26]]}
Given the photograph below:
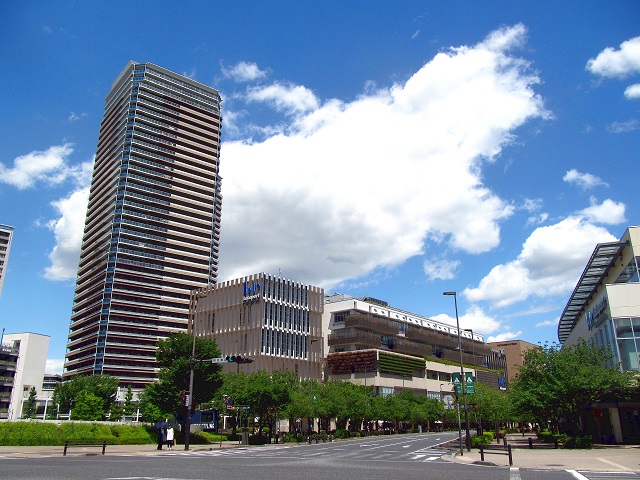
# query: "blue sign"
{"points": [[251, 292], [599, 313]]}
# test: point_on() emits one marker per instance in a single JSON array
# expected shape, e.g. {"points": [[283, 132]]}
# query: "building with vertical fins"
{"points": [[275, 322], [153, 222], [6, 233]]}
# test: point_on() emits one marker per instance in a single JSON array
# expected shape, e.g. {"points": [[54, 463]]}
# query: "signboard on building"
{"points": [[597, 314], [250, 292]]}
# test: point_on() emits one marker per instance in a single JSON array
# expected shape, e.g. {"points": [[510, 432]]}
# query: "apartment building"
{"points": [[6, 234], [23, 357], [153, 222]]}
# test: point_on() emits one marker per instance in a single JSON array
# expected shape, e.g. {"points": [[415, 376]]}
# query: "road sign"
{"points": [[219, 360], [448, 401]]}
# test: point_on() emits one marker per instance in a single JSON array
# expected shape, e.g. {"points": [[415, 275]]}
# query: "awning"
{"points": [[601, 261]]}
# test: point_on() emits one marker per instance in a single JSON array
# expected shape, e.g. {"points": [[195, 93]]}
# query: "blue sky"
{"points": [[390, 149]]}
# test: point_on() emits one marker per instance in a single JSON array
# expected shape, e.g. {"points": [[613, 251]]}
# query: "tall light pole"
{"points": [[193, 304], [473, 352], [462, 379]]}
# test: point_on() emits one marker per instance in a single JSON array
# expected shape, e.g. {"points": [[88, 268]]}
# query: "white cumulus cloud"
{"points": [[620, 63], [503, 337], [349, 187], [54, 365], [68, 229], [474, 318], [584, 180], [632, 92], [287, 98], [441, 269], [608, 212], [48, 166], [243, 72], [550, 263]]}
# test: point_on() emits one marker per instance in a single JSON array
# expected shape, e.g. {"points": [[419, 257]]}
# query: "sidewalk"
{"points": [[610, 458], [134, 450]]}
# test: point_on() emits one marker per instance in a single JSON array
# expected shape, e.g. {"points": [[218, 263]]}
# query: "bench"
{"points": [[73, 443], [543, 445], [496, 450]]}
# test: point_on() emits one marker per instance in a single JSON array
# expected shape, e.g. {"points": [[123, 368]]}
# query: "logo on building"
{"points": [[596, 316], [251, 292]]}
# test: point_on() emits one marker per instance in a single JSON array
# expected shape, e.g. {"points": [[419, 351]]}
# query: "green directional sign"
{"points": [[455, 379], [470, 382]]}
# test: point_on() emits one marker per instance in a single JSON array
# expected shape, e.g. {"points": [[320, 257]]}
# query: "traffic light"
{"points": [[184, 398], [238, 359]]}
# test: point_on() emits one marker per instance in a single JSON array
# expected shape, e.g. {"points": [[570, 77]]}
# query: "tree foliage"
{"points": [[559, 384], [163, 398], [104, 387], [129, 406], [87, 407], [29, 410]]}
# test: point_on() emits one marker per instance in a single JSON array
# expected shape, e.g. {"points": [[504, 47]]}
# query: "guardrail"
{"points": [[496, 450], [71, 443], [543, 445]]}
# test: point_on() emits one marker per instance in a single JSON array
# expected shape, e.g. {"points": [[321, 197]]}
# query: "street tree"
{"points": [[490, 406], [129, 407], [558, 384], [88, 407], [104, 387], [29, 409], [164, 397]]}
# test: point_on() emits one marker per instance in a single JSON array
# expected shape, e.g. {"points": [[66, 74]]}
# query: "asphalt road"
{"points": [[407, 457]]}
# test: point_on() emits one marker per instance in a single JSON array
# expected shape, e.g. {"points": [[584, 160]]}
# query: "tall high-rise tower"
{"points": [[153, 222], [6, 233]]}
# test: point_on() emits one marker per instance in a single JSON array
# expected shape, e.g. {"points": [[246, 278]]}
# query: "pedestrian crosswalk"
{"points": [[591, 475], [423, 455]]}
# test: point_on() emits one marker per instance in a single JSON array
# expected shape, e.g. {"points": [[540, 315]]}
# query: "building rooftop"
{"points": [[601, 261]]}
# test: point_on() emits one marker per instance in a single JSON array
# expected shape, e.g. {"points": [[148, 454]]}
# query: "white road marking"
{"points": [[577, 475], [612, 463]]}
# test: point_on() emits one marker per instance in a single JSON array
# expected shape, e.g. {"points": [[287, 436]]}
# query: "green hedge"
{"points": [[41, 433], [565, 440], [485, 439]]}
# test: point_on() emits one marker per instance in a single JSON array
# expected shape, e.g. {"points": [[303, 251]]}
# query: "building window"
{"points": [[630, 273]]}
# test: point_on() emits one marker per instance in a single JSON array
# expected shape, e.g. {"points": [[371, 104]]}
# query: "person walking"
{"points": [[170, 437], [161, 427]]}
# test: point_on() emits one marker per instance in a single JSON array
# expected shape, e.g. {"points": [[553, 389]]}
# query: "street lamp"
{"points": [[462, 379], [193, 303]]}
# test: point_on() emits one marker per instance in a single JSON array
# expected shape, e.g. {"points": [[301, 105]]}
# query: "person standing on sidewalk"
{"points": [[170, 437]]}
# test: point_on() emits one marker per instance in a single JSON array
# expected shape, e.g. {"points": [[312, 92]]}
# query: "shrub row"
{"points": [[565, 440], [485, 439], [42, 433]]}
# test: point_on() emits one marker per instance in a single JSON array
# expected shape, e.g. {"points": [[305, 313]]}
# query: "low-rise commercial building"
{"points": [[274, 321], [513, 352], [371, 343], [604, 309]]}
